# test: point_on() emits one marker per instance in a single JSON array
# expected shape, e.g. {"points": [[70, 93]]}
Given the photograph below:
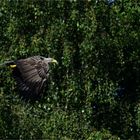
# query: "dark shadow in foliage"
{"points": [[10, 121], [104, 116], [126, 96]]}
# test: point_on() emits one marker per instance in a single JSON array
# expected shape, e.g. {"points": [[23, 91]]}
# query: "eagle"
{"points": [[31, 75]]}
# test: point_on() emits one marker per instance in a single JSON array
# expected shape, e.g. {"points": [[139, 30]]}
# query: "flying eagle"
{"points": [[31, 75]]}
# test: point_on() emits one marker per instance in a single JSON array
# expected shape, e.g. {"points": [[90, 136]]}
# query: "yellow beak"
{"points": [[54, 61]]}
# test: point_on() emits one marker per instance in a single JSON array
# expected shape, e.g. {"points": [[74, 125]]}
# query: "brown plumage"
{"points": [[31, 74]]}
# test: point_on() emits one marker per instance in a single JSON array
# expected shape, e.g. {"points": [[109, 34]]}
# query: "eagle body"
{"points": [[31, 75]]}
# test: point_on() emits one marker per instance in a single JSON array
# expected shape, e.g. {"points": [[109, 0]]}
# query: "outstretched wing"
{"points": [[33, 75]]}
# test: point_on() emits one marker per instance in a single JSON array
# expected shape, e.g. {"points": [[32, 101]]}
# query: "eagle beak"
{"points": [[54, 61]]}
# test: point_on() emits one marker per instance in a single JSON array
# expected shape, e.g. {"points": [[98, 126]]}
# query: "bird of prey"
{"points": [[31, 74]]}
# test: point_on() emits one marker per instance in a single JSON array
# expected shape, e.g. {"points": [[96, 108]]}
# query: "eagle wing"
{"points": [[33, 74]]}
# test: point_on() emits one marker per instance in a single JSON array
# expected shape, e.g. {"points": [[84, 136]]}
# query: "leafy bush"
{"points": [[94, 92]]}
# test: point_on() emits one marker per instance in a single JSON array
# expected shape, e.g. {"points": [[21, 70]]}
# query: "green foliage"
{"points": [[94, 92]]}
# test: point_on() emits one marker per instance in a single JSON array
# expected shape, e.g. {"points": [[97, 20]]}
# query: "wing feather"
{"points": [[32, 73]]}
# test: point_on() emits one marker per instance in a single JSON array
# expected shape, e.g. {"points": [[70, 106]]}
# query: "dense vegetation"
{"points": [[94, 92]]}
